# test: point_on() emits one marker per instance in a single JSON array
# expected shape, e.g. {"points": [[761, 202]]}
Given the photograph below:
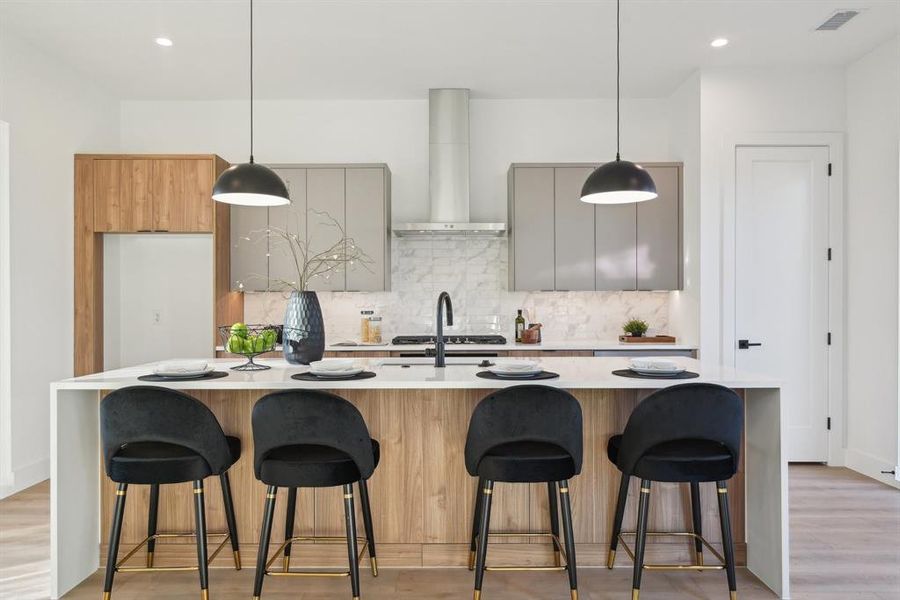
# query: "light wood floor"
{"points": [[845, 536]]}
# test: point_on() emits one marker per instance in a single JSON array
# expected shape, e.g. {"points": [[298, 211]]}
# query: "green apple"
{"points": [[270, 337], [259, 343], [235, 344], [240, 330]]}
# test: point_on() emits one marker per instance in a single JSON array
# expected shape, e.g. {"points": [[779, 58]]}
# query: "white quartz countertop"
{"points": [[584, 373], [544, 346]]}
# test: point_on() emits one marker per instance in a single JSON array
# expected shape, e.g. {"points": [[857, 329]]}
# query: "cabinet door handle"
{"points": [[745, 344]]}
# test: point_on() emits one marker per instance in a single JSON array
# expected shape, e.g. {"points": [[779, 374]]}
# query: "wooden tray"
{"points": [[656, 339]]}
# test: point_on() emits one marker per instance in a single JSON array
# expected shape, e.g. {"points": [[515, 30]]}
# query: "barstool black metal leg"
{"points": [[289, 526], [265, 534], [367, 523], [640, 542], [151, 523], [476, 522], [114, 534], [228, 500], [727, 539], [697, 520], [554, 520], [202, 554], [486, 487], [352, 551], [571, 564], [617, 520]]}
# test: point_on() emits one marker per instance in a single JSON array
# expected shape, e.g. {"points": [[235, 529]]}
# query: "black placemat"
{"points": [[159, 378], [633, 375], [541, 375], [311, 377]]}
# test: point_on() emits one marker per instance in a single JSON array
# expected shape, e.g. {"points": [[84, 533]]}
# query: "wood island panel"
{"points": [[422, 497]]}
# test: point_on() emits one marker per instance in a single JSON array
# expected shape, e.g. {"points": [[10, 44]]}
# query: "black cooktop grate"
{"points": [[449, 339]]}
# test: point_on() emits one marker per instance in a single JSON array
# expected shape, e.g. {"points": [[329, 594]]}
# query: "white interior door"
{"points": [[781, 283]]}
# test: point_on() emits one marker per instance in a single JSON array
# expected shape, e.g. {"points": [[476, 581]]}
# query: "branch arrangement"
{"points": [[309, 265]]}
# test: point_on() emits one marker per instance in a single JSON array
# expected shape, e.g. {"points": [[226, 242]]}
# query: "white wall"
{"points": [[684, 144], [740, 101], [53, 112], [149, 275], [396, 132], [873, 131]]}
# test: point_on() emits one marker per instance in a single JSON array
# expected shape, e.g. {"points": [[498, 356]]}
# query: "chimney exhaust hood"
{"points": [[448, 170]]}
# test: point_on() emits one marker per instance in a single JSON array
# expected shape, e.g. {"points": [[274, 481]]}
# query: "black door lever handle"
{"points": [[745, 344]]}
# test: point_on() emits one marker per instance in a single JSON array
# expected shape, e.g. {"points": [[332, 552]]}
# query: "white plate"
{"points": [[337, 374], [659, 372], [332, 365], [181, 374], [501, 372]]}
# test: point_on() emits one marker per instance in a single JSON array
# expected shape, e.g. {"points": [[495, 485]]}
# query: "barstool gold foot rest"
{"points": [[558, 554], [158, 536], [285, 572], [698, 566]]}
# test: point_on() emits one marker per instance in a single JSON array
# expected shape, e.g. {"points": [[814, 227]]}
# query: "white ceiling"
{"points": [[400, 48]]}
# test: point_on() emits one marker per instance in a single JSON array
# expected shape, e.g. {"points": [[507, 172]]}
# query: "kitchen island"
{"points": [[421, 494]]}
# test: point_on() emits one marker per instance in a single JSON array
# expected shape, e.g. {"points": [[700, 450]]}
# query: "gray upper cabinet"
{"points": [[559, 243], [574, 231], [615, 236], [356, 197], [531, 265], [659, 232], [368, 216], [290, 219]]}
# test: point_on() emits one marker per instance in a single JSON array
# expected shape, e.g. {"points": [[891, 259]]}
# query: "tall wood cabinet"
{"points": [[137, 193], [558, 243], [324, 198]]}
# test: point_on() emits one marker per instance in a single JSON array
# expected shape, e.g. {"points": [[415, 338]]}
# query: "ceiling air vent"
{"points": [[837, 20]]}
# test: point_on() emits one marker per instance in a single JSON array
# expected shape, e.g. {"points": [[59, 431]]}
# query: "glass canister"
{"points": [[374, 329], [364, 334]]}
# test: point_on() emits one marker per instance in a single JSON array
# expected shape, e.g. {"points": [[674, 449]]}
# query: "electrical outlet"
{"points": [[156, 316]]}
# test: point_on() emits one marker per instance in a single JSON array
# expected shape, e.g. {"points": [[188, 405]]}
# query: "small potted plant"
{"points": [[635, 327]]}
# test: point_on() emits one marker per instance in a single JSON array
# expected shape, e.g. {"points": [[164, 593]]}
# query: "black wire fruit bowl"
{"points": [[249, 341]]}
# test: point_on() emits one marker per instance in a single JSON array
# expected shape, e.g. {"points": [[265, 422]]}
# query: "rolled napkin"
{"points": [[330, 365], [517, 365], [181, 366], [653, 364]]}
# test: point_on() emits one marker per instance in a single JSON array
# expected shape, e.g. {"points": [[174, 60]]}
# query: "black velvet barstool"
{"points": [[309, 438], [687, 433], [154, 436], [525, 434]]}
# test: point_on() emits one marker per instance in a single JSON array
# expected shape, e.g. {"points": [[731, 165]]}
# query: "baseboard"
{"points": [[25, 477], [871, 466]]}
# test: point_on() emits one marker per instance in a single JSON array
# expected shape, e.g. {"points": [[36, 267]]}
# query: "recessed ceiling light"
{"points": [[719, 42], [164, 41]]}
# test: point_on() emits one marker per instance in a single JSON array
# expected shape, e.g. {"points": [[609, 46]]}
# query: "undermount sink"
{"points": [[426, 361]]}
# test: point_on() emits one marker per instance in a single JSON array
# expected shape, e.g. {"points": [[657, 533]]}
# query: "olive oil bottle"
{"points": [[520, 326]]}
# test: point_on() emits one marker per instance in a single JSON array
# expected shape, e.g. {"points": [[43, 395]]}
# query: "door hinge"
{"points": [[829, 254], [829, 169], [828, 424], [829, 338]]}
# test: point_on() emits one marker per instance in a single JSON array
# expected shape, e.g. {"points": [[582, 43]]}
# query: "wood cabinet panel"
{"points": [[532, 245], [659, 233], [182, 195], [573, 231], [122, 196], [366, 216]]}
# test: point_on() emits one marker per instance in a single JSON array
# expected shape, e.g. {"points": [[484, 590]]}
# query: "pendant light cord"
{"points": [[251, 81], [618, 78]]}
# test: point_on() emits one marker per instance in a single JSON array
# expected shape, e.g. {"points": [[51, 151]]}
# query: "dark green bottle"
{"points": [[520, 326]]}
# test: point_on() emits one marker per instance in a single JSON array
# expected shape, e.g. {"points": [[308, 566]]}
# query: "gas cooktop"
{"points": [[449, 339]]}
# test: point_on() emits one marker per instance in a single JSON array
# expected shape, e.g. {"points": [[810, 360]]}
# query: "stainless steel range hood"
{"points": [[448, 170]]}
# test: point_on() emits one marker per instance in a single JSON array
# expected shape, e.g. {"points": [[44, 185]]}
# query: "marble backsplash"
{"points": [[474, 271]]}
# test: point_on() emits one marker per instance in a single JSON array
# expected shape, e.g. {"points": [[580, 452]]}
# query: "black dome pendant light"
{"points": [[250, 184], [619, 182]]}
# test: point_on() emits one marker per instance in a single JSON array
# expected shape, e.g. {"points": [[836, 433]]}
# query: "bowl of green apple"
{"points": [[249, 341]]}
